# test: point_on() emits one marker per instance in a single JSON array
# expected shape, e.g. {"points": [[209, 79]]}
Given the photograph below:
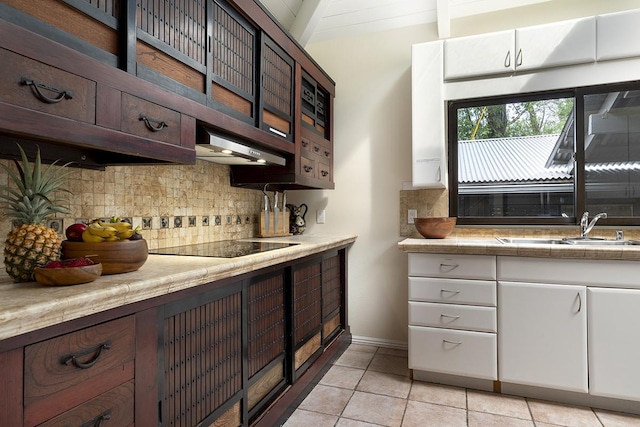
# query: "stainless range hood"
{"points": [[216, 147]]}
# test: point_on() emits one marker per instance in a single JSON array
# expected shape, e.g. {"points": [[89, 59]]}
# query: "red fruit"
{"points": [[74, 232], [54, 264], [77, 262]]}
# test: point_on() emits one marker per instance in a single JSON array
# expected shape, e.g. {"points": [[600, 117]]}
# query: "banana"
{"points": [[98, 230], [112, 239], [120, 226], [89, 237], [124, 235]]}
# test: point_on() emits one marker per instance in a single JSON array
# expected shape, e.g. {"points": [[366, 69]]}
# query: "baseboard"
{"points": [[400, 345]]}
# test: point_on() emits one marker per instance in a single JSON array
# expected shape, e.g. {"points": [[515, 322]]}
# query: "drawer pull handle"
{"points": [[308, 169], [73, 358], [97, 421], [449, 317], [62, 94], [447, 291], [446, 268], [324, 173], [147, 121], [327, 153], [452, 342]]}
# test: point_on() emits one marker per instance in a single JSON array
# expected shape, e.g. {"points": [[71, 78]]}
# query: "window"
{"points": [[546, 158]]}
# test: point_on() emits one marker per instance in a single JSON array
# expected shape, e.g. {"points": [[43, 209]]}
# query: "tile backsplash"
{"points": [[172, 204]]}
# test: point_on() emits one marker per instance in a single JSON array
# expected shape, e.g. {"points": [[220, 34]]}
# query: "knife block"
{"points": [[283, 229]]}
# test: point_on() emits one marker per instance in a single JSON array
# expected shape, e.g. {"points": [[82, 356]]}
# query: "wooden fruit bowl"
{"points": [[67, 275], [116, 257]]}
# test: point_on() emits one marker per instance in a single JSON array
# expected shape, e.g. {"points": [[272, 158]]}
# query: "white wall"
{"points": [[372, 138]]}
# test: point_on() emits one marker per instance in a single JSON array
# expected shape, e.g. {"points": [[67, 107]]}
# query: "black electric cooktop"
{"points": [[222, 249]]}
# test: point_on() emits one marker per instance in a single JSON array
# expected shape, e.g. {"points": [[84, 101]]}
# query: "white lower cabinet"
{"points": [[543, 335], [455, 352], [614, 342], [571, 325], [452, 315]]}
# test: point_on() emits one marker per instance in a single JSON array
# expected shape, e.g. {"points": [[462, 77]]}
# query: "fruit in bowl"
{"points": [[68, 272], [115, 244], [121, 256]]}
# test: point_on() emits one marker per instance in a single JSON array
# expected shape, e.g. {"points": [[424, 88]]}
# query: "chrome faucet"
{"points": [[586, 226]]}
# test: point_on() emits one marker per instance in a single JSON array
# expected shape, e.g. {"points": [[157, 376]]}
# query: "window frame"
{"points": [[579, 190]]}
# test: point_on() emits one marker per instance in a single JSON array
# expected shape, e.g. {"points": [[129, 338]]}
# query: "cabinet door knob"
{"points": [[62, 94], [507, 60]]}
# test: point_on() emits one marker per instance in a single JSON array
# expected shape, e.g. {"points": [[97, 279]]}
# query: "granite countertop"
{"points": [[491, 246], [26, 307]]}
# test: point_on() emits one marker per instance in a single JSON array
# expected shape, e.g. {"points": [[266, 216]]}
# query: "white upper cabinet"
{"points": [[484, 54], [531, 48], [618, 35], [557, 44], [429, 158]]}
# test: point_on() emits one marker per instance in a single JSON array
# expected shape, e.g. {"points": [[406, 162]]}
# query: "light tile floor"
{"points": [[370, 386]]}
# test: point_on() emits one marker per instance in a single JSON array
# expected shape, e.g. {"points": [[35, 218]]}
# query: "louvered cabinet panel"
{"points": [[202, 351], [234, 66], [172, 43], [307, 312], [277, 90], [266, 339], [314, 106], [331, 296], [266, 334]]}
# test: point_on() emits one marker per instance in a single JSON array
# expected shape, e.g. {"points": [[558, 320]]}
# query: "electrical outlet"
{"points": [[320, 216], [411, 215]]}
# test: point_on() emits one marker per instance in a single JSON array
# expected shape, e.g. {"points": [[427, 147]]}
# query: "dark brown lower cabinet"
{"points": [[235, 352]]}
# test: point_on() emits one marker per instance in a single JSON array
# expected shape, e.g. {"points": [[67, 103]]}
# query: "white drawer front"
{"points": [[482, 319], [447, 351], [454, 266], [452, 291]]}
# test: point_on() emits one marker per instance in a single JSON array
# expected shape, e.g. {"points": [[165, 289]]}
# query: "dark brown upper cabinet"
{"points": [[234, 46], [226, 64], [276, 88]]}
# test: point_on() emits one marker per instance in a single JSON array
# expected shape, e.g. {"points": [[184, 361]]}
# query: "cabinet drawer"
{"points": [[116, 404], [455, 266], [448, 351], [307, 167], [453, 291], [482, 319], [68, 360], [50, 90], [149, 120]]}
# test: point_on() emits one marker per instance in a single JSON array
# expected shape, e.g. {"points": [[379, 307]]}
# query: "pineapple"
{"points": [[31, 244]]}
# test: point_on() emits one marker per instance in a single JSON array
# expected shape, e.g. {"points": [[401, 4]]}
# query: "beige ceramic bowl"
{"points": [[116, 257], [67, 275], [435, 228]]}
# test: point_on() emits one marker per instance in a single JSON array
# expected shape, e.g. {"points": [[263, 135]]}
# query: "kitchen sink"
{"points": [[528, 241], [580, 241]]}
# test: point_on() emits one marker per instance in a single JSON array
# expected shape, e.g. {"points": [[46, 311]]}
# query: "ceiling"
{"points": [[320, 20]]}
